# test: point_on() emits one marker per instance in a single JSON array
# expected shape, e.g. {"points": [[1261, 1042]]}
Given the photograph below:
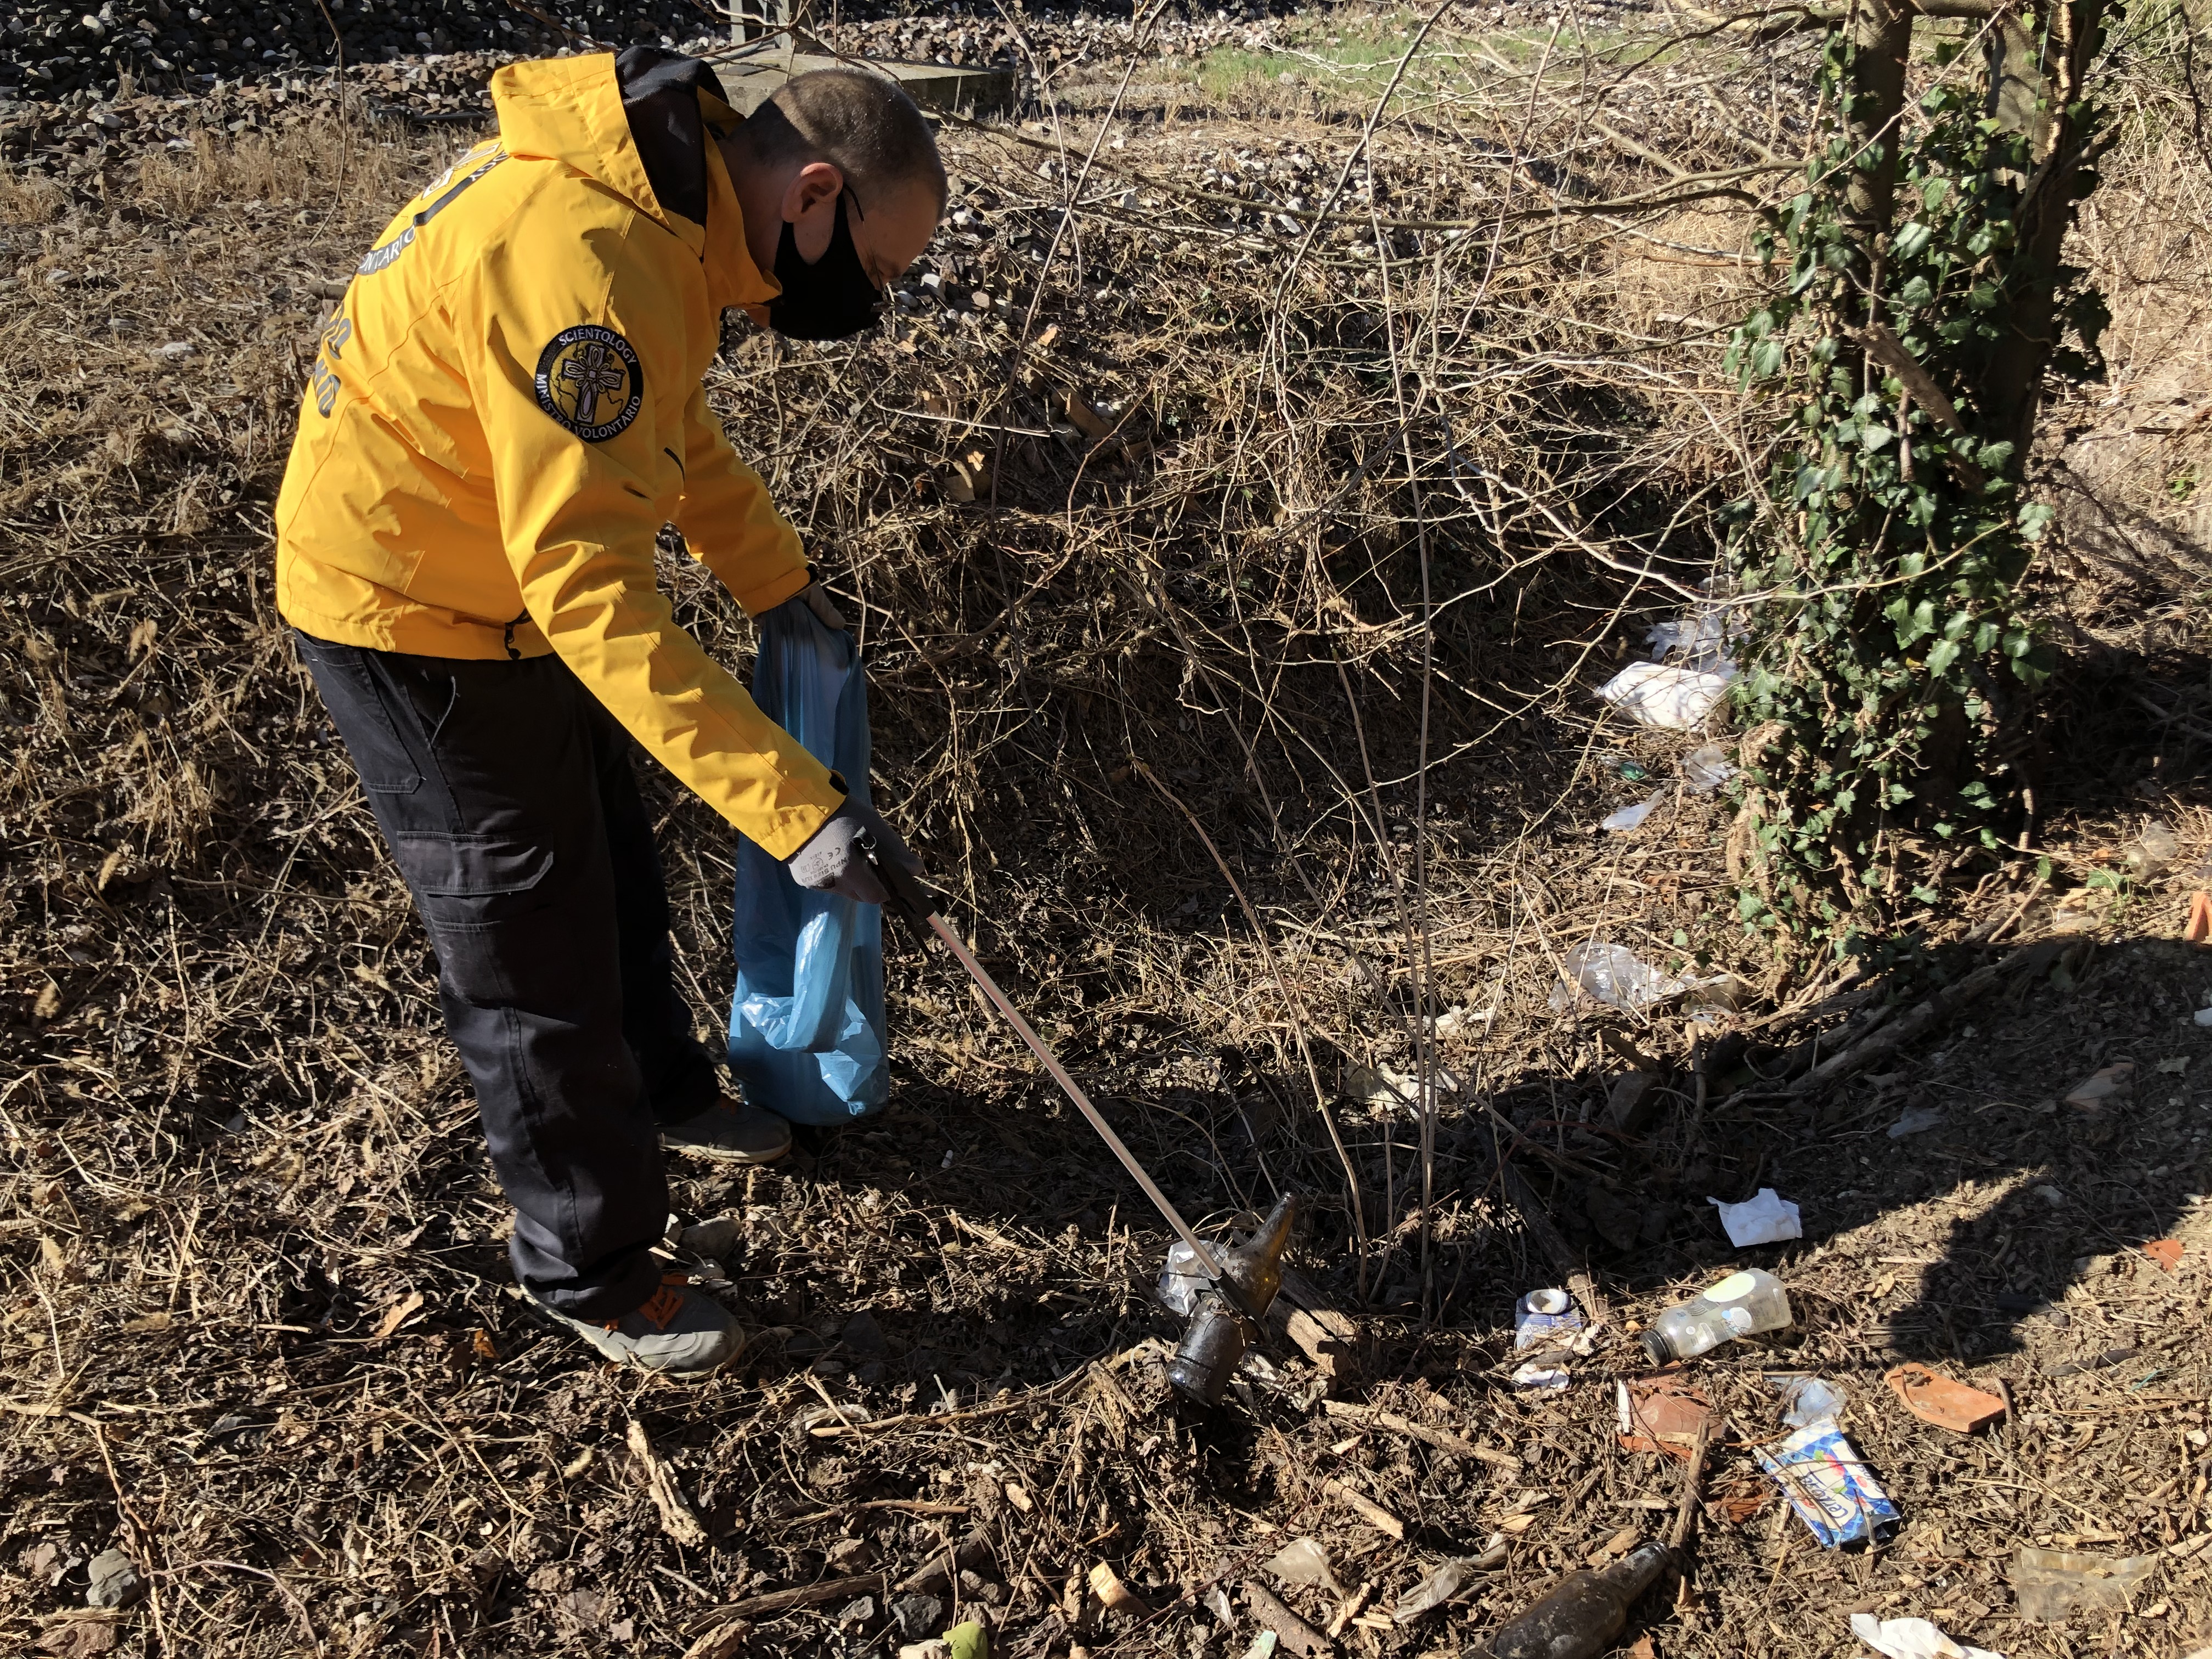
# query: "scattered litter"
{"points": [[1764, 1218], [2153, 850], [1585, 1611], [1807, 1399], [1439, 1588], [2166, 1252], [1661, 1414], [1181, 1280], [1613, 974], [1705, 769], [2106, 1082], [115, 1581], [1918, 1120], [1459, 1020], [1541, 1379], [1301, 1561], [1742, 1304], [1263, 1645], [1820, 1474], [1696, 640], [1544, 1317], [1659, 693], [1912, 1638], [1628, 818], [2197, 930], [2051, 1584], [1114, 1596], [1381, 1086], [1945, 1402]]}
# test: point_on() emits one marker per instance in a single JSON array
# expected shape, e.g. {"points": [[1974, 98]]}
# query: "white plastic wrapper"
{"points": [[1808, 1398], [1765, 1217], [1661, 695], [1705, 769], [1629, 817], [1613, 974]]}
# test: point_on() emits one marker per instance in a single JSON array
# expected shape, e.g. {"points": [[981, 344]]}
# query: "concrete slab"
{"points": [[749, 80]]}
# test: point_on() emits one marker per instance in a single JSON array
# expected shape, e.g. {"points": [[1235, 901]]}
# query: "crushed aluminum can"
{"points": [[1821, 1473], [1543, 1319]]}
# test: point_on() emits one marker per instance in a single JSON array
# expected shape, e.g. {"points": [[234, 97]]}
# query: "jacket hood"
{"points": [[642, 125]]}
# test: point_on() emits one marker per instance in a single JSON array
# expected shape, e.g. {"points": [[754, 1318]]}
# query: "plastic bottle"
{"points": [[1581, 1617], [1742, 1304]]}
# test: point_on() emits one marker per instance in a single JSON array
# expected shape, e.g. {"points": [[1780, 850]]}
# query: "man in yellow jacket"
{"points": [[504, 412]]}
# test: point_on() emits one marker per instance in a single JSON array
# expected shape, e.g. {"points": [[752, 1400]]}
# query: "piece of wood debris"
{"points": [[1352, 1607], [677, 1519], [1302, 1315], [1442, 1439], [1114, 1596], [806, 1596], [1620, 1544], [1291, 1630], [945, 1563], [1367, 1509], [724, 1641]]}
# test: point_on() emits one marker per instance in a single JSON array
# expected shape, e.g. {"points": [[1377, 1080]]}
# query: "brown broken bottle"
{"points": [[1580, 1618], [1219, 1332]]}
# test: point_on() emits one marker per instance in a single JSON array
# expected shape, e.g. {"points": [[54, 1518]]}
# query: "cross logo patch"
{"points": [[589, 381]]}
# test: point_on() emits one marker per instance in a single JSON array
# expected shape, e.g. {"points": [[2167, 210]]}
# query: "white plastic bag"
{"points": [[1661, 695]]}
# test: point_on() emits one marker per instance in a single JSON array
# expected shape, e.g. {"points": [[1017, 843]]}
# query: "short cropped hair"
{"points": [[864, 125]]}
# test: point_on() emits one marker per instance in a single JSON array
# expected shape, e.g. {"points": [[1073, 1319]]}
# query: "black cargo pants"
{"points": [[505, 793]]}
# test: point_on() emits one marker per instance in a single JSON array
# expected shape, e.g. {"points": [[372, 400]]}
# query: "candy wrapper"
{"points": [[1820, 1474]]}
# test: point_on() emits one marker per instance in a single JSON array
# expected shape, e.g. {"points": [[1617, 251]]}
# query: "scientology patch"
{"points": [[589, 381]]}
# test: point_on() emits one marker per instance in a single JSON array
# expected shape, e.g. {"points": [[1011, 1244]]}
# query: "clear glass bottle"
{"points": [[1742, 1304], [1581, 1617]]}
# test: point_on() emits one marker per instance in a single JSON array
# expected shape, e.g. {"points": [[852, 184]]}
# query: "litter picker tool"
{"points": [[1244, 1280]]}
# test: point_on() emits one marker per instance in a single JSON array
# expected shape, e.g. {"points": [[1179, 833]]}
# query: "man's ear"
{"points": [[811, 185]]}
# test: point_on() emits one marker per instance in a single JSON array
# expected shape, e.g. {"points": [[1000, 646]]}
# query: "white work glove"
{"points": [[832, 860]]}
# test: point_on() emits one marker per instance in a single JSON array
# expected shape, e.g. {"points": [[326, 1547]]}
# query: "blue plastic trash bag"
{"points": [[806, 1025]]}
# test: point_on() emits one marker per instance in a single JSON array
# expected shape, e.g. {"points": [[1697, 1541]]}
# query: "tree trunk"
{"points": [[2045, 59], [1881, 36]]}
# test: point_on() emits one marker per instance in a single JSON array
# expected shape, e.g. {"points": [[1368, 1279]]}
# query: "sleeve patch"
{"points": [[589, 381]]}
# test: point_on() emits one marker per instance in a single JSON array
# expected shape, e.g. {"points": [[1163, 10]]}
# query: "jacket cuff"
{"points": [[762, 595]]}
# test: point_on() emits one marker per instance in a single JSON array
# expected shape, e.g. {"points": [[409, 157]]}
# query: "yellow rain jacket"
{"points": [[506, 407]]}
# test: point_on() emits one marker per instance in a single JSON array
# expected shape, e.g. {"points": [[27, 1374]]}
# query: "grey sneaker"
{"points": [[680, 1331], [730, 1132]]}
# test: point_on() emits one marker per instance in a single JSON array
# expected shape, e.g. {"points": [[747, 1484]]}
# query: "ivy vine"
{"points": [[1889, 666]]}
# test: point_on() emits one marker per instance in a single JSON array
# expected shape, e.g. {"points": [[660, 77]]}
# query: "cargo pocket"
{"points": [[488, 904]]}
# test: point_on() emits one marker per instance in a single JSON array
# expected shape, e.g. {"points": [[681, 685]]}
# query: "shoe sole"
{"points": [[727, 1155], [609, 1349]]}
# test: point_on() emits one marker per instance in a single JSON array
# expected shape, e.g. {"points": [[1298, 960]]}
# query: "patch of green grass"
{"points": [[1352, 62]]}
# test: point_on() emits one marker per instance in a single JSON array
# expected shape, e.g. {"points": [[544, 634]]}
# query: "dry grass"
{"points": [[1361, 532]]}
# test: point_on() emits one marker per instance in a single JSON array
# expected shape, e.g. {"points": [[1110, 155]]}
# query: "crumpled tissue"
{"points": [[1765, 1217], [1911, 1638]]}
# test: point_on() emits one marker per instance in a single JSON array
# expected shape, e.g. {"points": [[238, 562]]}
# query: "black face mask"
{"points": [[829, 299]]}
